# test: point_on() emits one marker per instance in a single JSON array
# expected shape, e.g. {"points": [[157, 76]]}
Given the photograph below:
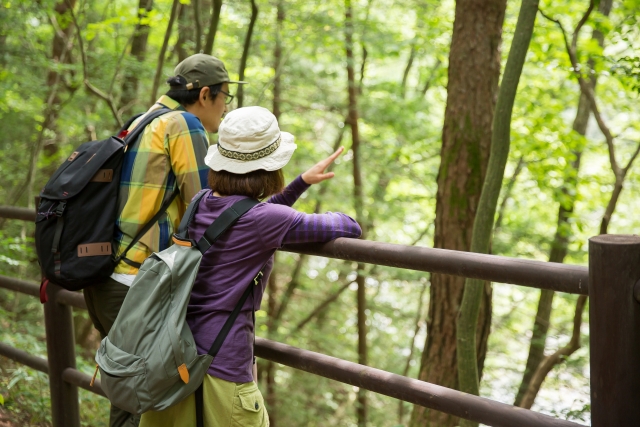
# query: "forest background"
{"points": [[409, 88]]}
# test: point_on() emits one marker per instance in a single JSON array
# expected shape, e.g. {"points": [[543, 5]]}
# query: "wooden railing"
{"points": [[612, 283]]}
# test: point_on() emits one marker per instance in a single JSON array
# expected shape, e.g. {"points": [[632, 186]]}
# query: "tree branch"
{"points": [[412, 345], [291, 287], [507, 192], [431, 77], [559, 356], [324, 304], [584, 86], [106, 97]]}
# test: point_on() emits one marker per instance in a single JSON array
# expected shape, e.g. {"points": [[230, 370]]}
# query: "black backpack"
{"points": [[76, 218]]}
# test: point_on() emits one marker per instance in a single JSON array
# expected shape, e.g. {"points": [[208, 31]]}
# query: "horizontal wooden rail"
{"points": [[421, 393], [20, 356], [72, 376], [13, 212], [467, 406], [22, 286], [538, 274], [432, 396], [75, 377]]}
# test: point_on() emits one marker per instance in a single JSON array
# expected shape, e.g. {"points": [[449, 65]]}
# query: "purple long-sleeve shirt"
{"points": [[236, 258]]}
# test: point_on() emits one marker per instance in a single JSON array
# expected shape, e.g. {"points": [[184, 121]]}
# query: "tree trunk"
{"points": [[198, 25], [60, 53], [213, 27], [559, 249], [412, 346], [474, 69], [270, 397], [469, 379], [245, 52], [361, 405], [175, 10], [131, 80], [183, 47], [277, 59], [559, 246]]}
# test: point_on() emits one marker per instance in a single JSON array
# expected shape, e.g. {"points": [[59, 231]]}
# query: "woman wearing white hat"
{"points": [[246, 162]]}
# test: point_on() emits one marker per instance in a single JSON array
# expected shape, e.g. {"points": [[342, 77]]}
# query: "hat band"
{"points": [[247, 157]]}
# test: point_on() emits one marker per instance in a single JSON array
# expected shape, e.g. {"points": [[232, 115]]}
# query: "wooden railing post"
{"points": [[58, 320], [614, 329]]}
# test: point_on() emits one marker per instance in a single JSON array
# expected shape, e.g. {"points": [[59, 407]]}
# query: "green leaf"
{"points": [[1, 400]]}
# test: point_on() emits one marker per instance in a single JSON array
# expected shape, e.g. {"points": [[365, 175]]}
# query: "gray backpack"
{"points": [[149, 359]]}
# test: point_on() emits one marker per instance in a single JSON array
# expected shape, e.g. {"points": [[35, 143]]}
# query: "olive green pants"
{"points": [[226, 404], [103, 303]]}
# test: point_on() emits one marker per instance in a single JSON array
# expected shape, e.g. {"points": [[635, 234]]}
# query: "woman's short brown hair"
{"points": [[258, 184]]}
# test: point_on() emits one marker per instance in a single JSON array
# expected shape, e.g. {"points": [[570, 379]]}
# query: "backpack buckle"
{"points": [[257, 279], [60, 209]]}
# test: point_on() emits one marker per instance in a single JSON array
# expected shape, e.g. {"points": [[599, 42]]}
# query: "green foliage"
{"points": [[401, 132]]}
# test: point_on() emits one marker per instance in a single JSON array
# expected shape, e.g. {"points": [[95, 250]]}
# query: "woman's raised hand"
{"points": [[316, 173]]}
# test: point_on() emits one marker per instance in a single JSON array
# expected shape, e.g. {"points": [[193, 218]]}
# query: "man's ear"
{"points": [[205, 94]]}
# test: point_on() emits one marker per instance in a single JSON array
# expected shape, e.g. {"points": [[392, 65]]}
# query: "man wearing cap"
{"points": [[167, 159]]}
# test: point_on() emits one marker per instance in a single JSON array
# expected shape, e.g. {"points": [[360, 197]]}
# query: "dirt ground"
{"points": [[5, 420]]}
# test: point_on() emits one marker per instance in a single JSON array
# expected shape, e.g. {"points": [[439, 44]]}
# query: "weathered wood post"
{"points": [[614, 324], [58, 320]]}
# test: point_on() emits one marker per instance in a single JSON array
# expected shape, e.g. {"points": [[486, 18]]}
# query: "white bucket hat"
{"points": [[249, 139]]}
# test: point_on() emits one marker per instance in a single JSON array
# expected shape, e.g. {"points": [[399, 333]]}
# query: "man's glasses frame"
{"points": [[228, 98]]}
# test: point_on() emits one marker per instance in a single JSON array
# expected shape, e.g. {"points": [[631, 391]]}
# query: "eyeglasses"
{"points": [[228, 98]]}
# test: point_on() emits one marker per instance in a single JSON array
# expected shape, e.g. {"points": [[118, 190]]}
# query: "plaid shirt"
{"points": [[168, 155]]}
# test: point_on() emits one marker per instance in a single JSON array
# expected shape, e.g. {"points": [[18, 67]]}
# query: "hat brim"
{"points": [[274, 161]]}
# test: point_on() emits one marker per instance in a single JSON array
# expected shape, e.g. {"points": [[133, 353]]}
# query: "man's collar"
{"points": [[170, 103]]}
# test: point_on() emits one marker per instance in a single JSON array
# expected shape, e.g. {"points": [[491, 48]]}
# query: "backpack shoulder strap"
{"points": [[183, 228], [146, 120], [223, 222], [146, 228]]}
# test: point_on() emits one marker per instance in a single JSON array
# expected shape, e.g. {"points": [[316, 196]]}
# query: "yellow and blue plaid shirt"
{"points": [[168, 155]]}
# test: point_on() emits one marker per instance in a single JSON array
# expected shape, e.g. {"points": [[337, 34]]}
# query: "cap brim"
{"points": [[274, 161]]}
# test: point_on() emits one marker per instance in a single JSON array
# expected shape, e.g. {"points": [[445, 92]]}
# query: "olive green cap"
{"points": [[202, 70]]}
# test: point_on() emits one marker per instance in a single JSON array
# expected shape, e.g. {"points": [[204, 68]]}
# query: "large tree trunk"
{"points": [[559, 246], [474, 69], [131, 80]]}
